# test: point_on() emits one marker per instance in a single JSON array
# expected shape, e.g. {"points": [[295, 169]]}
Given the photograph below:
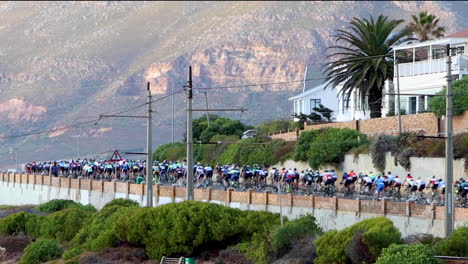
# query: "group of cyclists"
{"points": [[255, 177]]}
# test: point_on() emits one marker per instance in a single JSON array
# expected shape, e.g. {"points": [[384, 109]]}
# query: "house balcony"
{"points": [[459, 63]]}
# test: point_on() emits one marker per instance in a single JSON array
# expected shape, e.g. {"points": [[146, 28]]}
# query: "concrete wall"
{"points": [[420, 167], [331, 213]]}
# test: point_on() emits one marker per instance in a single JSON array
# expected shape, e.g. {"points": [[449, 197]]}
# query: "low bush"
{"points": [[188, 227], [121, 202], [264, 248], [303, 144], [408, 254], [99, 232], [64, 225], [379, 148], [15, 223], [59, 204], [377, 233], [454, 245], [170, 151], [40, 251]]}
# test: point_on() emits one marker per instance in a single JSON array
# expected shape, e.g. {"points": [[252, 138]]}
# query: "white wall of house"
{"points": [[426, 74], [306, 101]]}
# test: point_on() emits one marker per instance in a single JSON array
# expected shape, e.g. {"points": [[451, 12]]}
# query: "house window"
{"points": [[314, 103], [296, 107], [301, 106]]}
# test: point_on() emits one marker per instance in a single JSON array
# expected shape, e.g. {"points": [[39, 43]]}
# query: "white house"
{"points": [[426, 74], [419, 79], [313, 96]]}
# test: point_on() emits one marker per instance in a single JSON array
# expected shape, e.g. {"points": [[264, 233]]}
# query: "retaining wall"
{"points": [[331, 213]]}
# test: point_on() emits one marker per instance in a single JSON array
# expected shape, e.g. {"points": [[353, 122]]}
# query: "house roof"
{"points": [[313, 90], [461, 34], [453, 39]]}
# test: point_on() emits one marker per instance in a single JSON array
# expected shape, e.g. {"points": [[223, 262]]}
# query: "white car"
{"points": [[249, 134]]}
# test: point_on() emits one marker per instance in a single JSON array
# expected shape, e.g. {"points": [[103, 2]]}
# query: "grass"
{"points": [[2, 207]]}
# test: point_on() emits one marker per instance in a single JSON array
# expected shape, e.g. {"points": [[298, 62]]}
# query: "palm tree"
{"points": [[424, 26], [366, 59]]}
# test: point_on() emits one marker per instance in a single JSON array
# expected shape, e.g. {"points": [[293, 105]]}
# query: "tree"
{"points": [[366, 59], [324, 111], [460, 98], [425, 26]]}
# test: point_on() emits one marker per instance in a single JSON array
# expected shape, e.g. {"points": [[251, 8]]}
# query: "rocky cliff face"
{"points": [[68, 62]]}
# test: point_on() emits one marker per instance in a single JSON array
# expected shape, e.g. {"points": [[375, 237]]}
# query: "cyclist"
{"points": [[348, 181], [441, 187], [464, 190], [397, 183], [379, 182], [421, 185]]}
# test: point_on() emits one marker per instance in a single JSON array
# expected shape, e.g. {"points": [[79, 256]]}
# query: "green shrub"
{"points": [[15, 223], [454, 245], [121, 202], [183, 228], [282, 237], [378, 149], [250, 151], [274, 126], [59, 204], [64, 225], [408, 254], [460, 100], [170, 151], [377, 233], [40, 251], [331, 144], [303, 144], [264, 248]]}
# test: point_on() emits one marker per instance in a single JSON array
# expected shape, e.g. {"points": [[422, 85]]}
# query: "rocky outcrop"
{"points": [[17, 109]]}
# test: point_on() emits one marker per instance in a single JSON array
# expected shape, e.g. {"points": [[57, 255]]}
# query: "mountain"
{"points": [[63, 63]]}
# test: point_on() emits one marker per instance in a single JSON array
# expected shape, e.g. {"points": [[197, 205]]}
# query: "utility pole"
{"points": [[149, 162], [190, 196], [207, 113], [398, 97], [172, 97], [449, 210], [280, 203], [148, 153]]}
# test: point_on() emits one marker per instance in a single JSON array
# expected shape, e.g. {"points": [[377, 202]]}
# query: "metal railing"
{"points": [[166, 260], [460, 62]]}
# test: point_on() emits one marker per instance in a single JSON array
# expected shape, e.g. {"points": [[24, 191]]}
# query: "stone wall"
{"points": [[427, 123], [331, 212], [349, 124], [289, 136], [460, 123]]}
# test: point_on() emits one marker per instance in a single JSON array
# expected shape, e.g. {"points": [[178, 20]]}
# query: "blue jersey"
{"points": [[379, 182]]}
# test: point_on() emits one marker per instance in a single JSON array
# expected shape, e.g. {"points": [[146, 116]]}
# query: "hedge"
{"points": [[40, 251], [408, 254]]}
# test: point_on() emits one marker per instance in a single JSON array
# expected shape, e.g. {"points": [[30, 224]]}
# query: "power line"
{"points": [[85, 122]]}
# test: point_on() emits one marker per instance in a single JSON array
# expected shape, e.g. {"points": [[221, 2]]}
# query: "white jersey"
{"points": [[397, 180], [441, 184], [420, 182], [208, 169], [368, 179]]}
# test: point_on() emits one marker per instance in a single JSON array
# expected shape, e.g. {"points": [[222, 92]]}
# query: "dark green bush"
{"points": [[64, 225], [282, 237], [378, 149], [460, 101], [99, 232], [264, 248], [59, 204], [378, 233], [181, 228], [330, 145], [40, 251], [407, 254], [15, 223], [121, 202], [303, 144], [170, 151], [249, 152], [454, 245]]}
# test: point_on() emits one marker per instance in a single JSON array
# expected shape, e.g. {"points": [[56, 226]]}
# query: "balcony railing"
{"points": [[459, 62]]}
